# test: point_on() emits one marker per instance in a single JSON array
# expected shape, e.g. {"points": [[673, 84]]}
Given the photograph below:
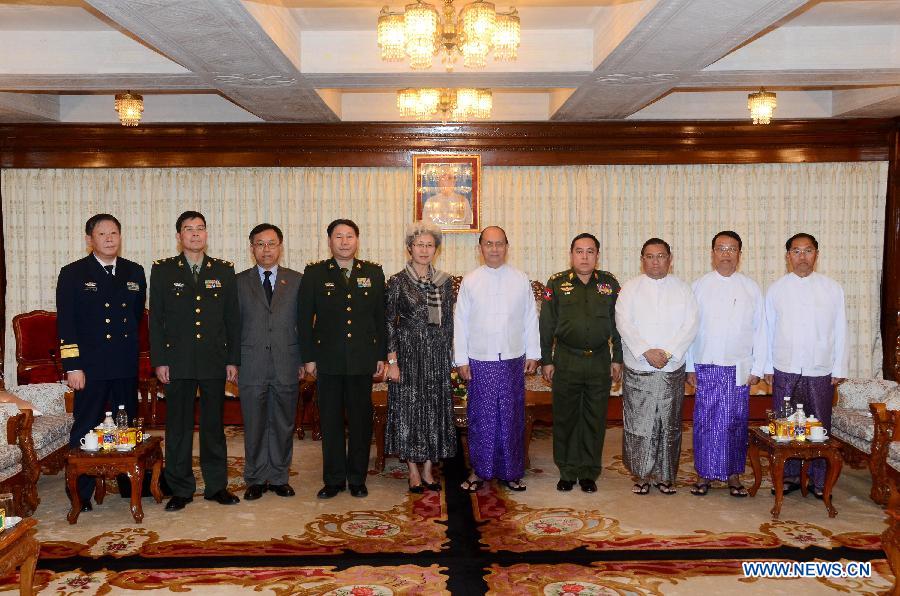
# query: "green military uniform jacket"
{"points": [[580, 316], [194, 326], [342, 322]]}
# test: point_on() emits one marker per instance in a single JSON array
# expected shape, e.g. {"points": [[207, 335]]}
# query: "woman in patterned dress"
{"points": [[420, 427]]}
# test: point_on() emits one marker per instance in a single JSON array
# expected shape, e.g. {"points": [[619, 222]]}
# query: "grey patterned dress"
{"points": [[420, 407]]}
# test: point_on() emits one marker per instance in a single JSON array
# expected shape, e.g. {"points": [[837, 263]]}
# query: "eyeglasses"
{"points": [[726, 249], [498, 244], [661, 256], [422, 245], [192, 229], [270, 244], [802, 251]]}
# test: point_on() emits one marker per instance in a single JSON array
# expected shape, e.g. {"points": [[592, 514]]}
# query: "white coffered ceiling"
{"points": [[317, 60]]}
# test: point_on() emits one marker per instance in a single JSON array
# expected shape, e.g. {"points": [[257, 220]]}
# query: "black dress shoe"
{"points": [[223, 497], [177, 503], [282, 490], [359, 490], [330, 490], [565, 485], [254, 491], [87, 506], [587, 485]]}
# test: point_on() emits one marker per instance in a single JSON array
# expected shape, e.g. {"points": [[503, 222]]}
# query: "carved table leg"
{"points": [[154, 478], [74, 497], [757, 468], [26, 571], [529, 427], [833, 471], [776, 464], [100, 490], [804, 477], [379, 428], [136, 476]]}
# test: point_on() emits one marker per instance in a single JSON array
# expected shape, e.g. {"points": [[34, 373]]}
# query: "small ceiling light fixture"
{"points": [[452, 104], [762, 106], [420, 33], [130, 106]]}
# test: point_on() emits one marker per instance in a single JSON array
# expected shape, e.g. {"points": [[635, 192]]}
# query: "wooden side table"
{"points": [[107, 464], [778, 453], [20, 548]]}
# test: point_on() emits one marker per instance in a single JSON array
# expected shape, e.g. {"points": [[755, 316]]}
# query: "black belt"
{"points": [[584, 353]]}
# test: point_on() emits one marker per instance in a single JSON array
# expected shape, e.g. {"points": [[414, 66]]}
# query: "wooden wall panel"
{"points": [[390, 144]]}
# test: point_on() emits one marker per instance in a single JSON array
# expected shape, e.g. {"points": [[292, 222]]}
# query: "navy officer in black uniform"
{"points": [[99, 304]]}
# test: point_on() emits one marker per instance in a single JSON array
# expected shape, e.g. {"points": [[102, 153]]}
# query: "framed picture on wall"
{"points": [[448, 191]]}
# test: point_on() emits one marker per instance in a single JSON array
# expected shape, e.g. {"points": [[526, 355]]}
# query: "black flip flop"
{"points": [[700, 489], [471, 486], [738, 490], [664, 488], [642, 489]]}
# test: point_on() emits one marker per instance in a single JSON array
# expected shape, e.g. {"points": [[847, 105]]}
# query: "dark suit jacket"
{"points": [[269, 331], [97, 317], [342, 324], [194, 327]]}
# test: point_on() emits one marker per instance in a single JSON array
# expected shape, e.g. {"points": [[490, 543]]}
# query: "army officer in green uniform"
{"points": [[578, 320], [195, 328], [343, 341]]}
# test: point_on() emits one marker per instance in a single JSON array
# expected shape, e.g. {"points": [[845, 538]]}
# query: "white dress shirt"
{"points": [[495, 317], [807, 326], [656, 313], [114, 263], [732, 325], [262, 274]]}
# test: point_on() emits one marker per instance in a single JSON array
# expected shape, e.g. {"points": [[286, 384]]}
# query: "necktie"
{"points": [[109, 269], [195, 269], [346, 273], [267, 285]]}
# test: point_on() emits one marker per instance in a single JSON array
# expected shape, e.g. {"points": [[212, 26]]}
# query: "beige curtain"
{"points": [[541, 208]]}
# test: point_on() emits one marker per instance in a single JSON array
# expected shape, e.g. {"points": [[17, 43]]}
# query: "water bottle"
{"points": [[109, 432], [122, 419], [786, 409], [122, 441], [800, 432]]}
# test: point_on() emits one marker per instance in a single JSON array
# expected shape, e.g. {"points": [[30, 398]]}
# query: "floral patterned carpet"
{"points": [[539, 541]]}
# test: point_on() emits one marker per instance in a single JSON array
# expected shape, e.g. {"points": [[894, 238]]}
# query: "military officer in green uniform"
{"points": [[194, 344], [581, 352], [343, 341]]}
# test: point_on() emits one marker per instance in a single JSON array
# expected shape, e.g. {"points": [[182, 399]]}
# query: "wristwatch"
{"points": [[392, 361]]}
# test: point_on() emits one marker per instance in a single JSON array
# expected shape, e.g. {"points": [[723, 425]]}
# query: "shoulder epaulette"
{"points": [[602, 272], [223, 261], [558, 275], [311, 263], [166, 260], [370, 262]]}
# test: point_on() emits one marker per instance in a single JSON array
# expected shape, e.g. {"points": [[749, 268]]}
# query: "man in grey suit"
{"points": [[270, 366]]}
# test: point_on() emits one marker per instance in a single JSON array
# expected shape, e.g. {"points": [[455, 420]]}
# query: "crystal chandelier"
{"points": [[452, 104], [762, 106], [130, 106], [419, 33]]}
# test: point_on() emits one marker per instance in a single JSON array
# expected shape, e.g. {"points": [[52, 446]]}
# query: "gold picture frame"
{"points": [[448, 191]]}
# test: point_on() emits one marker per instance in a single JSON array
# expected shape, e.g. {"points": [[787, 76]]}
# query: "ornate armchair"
{"points": [[146, 375], [16, 477], [49, 437], [860, 420], [37, 349], [890, 538]]}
